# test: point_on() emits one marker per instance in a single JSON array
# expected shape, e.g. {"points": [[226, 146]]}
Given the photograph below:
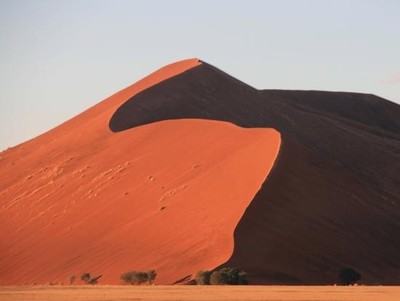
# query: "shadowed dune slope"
{"points": [[134, 183], [165, 196], [333, 197]]}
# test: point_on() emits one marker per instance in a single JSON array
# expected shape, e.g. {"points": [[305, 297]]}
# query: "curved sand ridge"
{"points": [[164, 196]]}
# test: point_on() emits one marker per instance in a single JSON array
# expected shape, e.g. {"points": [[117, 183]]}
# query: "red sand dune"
{"points": [[332, 199], [164, 196], [163, 175]]}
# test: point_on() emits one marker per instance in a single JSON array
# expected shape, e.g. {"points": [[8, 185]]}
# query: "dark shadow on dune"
{"points": [[185, 280], [333, 196]]}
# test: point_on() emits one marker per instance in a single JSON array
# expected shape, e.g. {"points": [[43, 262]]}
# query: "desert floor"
{"points": [[171, 293]]}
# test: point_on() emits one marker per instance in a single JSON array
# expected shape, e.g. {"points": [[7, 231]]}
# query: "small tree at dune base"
{"points": [[85, 277], [227, 276], [203, 277], [139, 277]]}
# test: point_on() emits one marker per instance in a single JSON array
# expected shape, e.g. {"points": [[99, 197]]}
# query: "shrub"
{"points": [[85, 277], [203, 277], [349, 276], [138, 277], [217, 278], [127, 277], [88, 279], [227, 275], [223, 276]]}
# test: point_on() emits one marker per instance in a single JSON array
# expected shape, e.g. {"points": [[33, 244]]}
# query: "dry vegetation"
{"points": [[199, 293]]}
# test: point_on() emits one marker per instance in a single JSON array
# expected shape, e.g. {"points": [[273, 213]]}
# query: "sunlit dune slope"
{"points": [[165, 196]]}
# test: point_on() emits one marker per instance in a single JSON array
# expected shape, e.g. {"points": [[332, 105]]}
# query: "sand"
{"points": [[165, 196], [190, 169]]}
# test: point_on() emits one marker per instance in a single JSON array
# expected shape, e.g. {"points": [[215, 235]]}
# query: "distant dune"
{"points": [[191, 169]]}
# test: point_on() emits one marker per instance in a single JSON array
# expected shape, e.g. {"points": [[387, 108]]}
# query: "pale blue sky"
{"points": [[58, 58]]}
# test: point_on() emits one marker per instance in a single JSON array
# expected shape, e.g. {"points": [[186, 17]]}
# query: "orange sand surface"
{"points": [[165, 196], [206, 293]]}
